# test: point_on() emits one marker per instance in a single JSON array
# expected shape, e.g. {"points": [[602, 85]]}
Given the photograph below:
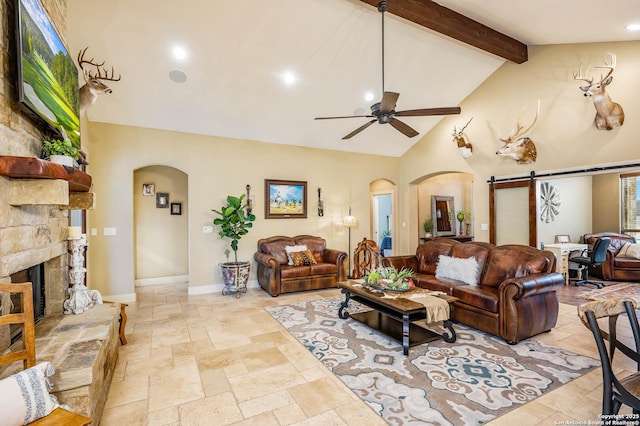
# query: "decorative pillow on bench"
{"points": [[466, 270], [24, 396]]}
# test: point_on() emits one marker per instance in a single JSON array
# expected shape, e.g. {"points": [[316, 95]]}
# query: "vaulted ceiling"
{"points": [[238, 52]]}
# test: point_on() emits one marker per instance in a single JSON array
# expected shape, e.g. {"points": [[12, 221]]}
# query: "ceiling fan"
{"points": [[384, 111]]}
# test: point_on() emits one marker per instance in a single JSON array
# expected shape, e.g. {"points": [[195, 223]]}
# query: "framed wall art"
{"points": [[148, 189], [285, 199], [176, 209], [162, 200]]}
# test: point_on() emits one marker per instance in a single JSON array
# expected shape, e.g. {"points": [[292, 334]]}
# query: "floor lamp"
{"points": [[349, 222]]}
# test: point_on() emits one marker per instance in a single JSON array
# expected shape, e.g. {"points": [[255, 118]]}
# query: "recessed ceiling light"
{"points": [[177, 76], [289, 77], [179, 52], [633, 27], [368, 96]]}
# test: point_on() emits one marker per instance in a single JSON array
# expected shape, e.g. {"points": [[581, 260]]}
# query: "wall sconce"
{"points": [[320, 203], [249, 200]]}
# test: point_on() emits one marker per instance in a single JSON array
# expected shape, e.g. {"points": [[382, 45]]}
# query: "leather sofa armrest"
{"points": [[339, 258], [399, 262], [530, 285], [267, 260]]}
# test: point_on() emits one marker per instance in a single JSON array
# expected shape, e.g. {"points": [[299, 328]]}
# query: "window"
{"points": [[630, 192]]}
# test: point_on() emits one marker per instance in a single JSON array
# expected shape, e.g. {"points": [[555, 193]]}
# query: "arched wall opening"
{"points": [[161, 227], [383, 220]]}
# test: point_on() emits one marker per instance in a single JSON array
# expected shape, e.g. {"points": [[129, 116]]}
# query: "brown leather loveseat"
{"points": [[276, 275], [617, 267], [515, 296]]}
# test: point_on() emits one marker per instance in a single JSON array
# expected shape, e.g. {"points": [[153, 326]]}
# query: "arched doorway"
{"points": [[161, 228], [383, 193]]}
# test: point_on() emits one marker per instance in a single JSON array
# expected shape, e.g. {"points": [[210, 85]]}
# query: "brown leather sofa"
{"points": [[516, 293], [276, 276], [614, 268]]}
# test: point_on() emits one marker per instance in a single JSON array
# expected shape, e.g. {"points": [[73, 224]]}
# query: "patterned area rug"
{"points": [[470, 382], [631, 290]]}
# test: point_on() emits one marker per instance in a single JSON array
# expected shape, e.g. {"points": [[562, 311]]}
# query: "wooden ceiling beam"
{"points": [[438, 18]]}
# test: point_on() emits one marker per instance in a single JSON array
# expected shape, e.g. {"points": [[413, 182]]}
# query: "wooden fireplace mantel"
{"points": [[35, 168]]}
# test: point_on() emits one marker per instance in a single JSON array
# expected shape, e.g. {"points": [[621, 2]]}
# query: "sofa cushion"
{"points": [[506, 262], [631, 250], [427, 254], [466, 270], [316, 245], [324, 269], [482, 297], [626, 263], [287, 272], [275, 246], [432, 283]]}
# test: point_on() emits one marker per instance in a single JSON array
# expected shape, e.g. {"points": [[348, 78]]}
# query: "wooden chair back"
{"points": [[24, 316], [366, 257]]}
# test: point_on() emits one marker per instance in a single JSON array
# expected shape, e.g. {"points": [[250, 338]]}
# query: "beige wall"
{"points": [[160, 238], [215, 168], [565, 135], [606, 203]]}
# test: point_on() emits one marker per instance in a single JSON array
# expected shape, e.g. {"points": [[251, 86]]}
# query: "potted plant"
{"points": [[428, 227], [60, 152], [234, 224]]}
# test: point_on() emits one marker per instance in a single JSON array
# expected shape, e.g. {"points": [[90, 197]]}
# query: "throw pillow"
{"points": [[293, 249], [303, 258], [24, 397], [630, 250], [466, 270]]}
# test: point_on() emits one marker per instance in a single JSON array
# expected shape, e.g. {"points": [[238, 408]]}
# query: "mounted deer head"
{"points": [[608, 113], [93, 81], [519, 147], [465, 148]]}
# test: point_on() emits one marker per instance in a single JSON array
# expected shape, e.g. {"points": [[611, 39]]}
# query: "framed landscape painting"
{"points": [[285, 199]]}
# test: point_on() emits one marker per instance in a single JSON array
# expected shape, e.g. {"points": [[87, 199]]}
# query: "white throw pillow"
{"points": [[24, 397], [630, 250], [466, 270], [291, 249]]}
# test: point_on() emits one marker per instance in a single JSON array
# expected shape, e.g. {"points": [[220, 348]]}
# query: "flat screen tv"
{"points": [[47, 75]]}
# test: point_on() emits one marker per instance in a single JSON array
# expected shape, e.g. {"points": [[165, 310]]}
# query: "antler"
{"points": [[583, 77], [99, 68], [609, 67], [519, 130], [455, 132]]}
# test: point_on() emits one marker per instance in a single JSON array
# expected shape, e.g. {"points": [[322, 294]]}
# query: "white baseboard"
{"points": [[121, 298], [174, 279], [216, 288]]}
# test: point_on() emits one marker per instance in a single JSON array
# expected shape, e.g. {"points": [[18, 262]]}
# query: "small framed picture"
{"points": [[176, 209], [563, 239], [162, 200], [148, 189]]}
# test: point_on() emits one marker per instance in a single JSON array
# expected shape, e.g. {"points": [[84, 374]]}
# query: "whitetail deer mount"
{"points": [[608, 113], [519, 147], [465, 148], [93, 81]]}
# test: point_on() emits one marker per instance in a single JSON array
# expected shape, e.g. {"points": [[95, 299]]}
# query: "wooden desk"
{"points": [[562, 252]]}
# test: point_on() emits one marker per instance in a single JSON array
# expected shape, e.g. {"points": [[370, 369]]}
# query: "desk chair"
{"points": [[595, 257], [616, 391], [27, 355]]}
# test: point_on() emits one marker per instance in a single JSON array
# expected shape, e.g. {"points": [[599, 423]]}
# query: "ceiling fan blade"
{"points": [[359, 129], [403, 128], [428, 111], [388, 102], [345, 116]]}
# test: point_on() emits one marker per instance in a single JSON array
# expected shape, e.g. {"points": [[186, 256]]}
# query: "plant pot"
{"points": [[235, 276], [427, 235], [65, 160]]}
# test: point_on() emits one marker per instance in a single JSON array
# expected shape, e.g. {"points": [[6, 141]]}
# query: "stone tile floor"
{"points": [[219, 360]]}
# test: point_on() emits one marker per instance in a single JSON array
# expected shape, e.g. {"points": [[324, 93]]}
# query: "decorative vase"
{"points": [[235, 276]]}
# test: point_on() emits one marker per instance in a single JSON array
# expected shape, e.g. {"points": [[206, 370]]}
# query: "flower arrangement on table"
{"points": [[389, 279]]}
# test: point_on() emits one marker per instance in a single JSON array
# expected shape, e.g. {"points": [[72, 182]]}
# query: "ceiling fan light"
{"points": [[368, 96]]}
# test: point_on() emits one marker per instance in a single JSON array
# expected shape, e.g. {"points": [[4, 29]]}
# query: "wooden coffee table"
{"points": [[393, 316]]}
